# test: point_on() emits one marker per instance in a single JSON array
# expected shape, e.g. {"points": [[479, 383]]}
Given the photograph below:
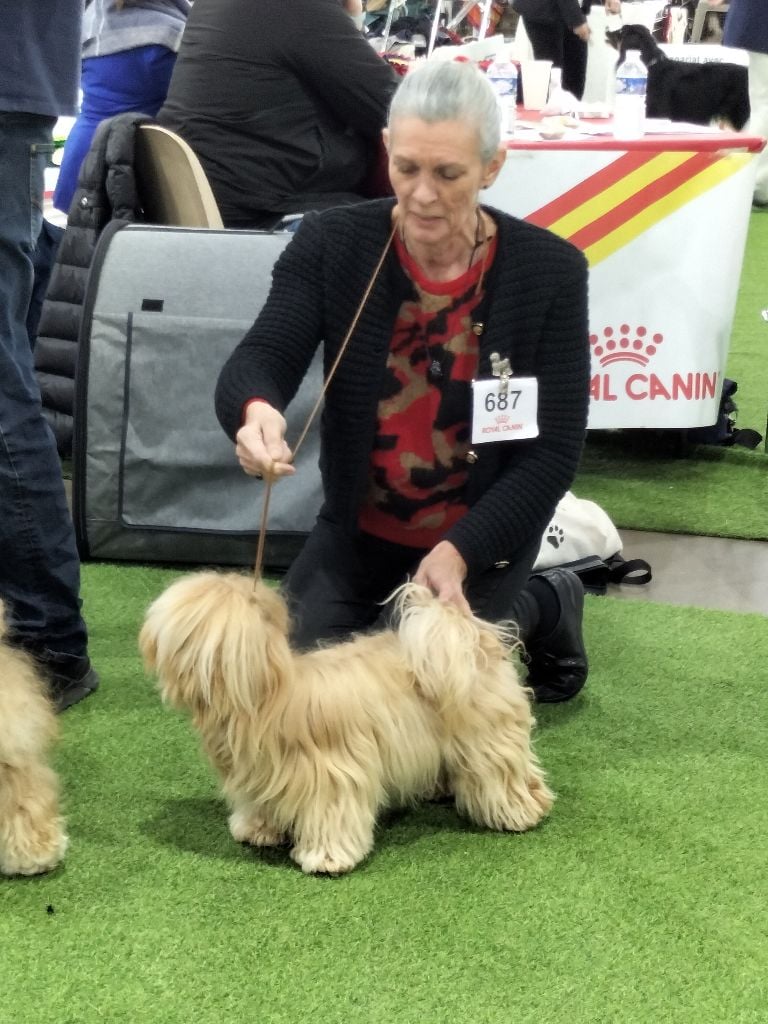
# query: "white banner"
{"points": [[664, 232]]}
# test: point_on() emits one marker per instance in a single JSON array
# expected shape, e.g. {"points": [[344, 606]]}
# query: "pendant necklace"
{"points": [[435, 369]]}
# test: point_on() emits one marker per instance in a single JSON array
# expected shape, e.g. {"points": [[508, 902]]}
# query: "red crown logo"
{"points": [[502, 419], [632, 346]]}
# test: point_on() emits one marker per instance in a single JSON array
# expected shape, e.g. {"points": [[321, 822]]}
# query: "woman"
{"points": [[282, 102], [461, 289], [129, 49], [558, 31]]}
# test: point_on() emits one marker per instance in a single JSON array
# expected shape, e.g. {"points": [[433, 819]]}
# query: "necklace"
{"points": [[435, 367]]}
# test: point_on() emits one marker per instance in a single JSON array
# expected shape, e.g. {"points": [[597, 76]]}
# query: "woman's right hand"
{"points": [[582, 31], [260, 443]]}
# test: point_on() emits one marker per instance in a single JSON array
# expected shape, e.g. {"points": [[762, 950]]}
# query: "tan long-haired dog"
{"points": [[32, 838], [310, 747]]}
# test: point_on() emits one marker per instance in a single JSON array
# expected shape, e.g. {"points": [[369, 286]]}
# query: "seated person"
{"points": [[462, 288], [282, 102]]}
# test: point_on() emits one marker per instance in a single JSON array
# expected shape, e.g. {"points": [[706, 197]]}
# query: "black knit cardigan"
{"points": [[535, 314]]}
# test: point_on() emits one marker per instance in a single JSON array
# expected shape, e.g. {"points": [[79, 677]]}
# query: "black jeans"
{"points": [[337, 584], [558, 43]]}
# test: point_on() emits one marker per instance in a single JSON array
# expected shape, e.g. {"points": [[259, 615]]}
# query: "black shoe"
{"points": [[557, 662], [70, 679]]}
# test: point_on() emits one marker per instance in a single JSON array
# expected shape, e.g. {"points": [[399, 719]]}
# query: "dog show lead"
{"points": [[467, 297]]}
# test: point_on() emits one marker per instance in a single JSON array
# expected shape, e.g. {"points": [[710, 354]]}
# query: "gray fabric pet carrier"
{"points": [[154, 477]]}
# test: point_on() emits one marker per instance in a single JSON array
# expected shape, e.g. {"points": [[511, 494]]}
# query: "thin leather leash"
{"points": [[326, 384]]}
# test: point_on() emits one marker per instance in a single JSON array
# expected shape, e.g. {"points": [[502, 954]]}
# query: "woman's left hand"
{"points": [[443, 570]]}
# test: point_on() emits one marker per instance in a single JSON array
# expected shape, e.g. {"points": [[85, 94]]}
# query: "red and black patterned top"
{"points": [[417, 471]]}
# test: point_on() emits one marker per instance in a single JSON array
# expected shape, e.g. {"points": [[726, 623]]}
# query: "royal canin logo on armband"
{"points": [[634, 348]]}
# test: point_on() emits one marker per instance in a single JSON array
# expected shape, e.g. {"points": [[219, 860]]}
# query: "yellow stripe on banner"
{"points": [[614, 195], [719, 171]]}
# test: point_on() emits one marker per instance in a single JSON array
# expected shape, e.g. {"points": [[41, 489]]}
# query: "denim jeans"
{"points": [[39, 565]]}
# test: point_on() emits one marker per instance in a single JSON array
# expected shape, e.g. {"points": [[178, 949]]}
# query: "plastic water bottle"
{"points": [[502, 74], [629, 107]]}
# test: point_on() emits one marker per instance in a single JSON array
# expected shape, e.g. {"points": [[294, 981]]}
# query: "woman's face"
{"points": [[437, 172]]}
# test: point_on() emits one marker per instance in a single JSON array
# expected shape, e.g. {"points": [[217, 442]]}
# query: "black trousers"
{"points": [[337, 584], [558, 43]]}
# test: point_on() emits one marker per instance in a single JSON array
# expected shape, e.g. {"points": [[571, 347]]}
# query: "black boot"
{"points": [[557, 658], [70, 679]]}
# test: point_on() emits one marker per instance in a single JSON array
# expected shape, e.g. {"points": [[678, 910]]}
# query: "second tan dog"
{"points": [[32, 837]]}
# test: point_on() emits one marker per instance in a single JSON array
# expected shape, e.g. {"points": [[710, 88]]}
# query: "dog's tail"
{"points": [[446, 649]]}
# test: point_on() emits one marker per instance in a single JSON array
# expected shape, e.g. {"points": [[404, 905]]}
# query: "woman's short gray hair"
{"points": [[450, 90]]}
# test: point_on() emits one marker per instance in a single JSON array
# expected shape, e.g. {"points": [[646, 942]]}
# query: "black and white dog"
{"points": [[711, 93]]}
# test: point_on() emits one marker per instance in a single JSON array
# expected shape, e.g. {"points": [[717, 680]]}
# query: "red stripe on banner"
{"points": [[640, 200], [589, 188]]}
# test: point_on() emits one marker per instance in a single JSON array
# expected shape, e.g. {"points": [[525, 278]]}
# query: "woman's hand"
{"points": [[443, 570], [582, 31], [260, 443]]}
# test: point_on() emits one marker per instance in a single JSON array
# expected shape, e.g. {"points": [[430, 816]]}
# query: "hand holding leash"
{"points": [[260, 446]]}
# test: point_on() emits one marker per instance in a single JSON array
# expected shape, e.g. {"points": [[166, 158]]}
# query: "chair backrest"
{"points": [[172, 184]]}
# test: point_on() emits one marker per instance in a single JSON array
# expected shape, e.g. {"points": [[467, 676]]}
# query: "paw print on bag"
{"points": [[555, 536]]}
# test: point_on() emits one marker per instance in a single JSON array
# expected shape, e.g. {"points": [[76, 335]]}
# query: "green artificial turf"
{"points": [[642, 898], [645, 483]]}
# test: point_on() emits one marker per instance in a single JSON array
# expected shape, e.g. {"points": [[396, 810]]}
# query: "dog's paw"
{"points": [[322, 862], [527, 813], [251, 829], [23, 854]]}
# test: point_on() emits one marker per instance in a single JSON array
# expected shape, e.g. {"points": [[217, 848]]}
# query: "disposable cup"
{"points": [[535, 79]]}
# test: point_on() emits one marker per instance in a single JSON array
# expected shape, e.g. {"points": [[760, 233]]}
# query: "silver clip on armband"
{"points": [[502, 369]]}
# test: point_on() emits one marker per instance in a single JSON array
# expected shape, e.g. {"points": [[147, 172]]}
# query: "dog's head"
{"points": [[217, 643], [632, 37]]}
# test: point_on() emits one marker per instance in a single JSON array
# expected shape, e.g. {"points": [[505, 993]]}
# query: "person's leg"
{"points": [[758, 120], [337, 583], [574, 64], [39, 565], [546, 40], [547, 608]]}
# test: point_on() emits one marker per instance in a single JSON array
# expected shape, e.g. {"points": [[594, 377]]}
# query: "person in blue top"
{"points": [[746, 26], [39, 566], [129, 49]]}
